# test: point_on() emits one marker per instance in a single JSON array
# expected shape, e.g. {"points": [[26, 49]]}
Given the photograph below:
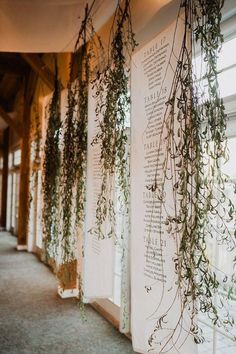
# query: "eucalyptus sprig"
{"points": [[51, 175]]}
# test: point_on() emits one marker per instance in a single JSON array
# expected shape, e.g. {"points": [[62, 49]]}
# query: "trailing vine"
{"points": [[37, 135], [194, 143], [51, 175], [112, 110], [36, 150], [75, 137], [68, 177]]}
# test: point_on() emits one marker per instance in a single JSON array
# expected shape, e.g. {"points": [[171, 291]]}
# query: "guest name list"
{"points": [[98, 253], [153, 278]]}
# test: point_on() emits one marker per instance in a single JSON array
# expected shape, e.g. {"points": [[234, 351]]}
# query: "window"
{"points": [[10, 160], [17, 157], [217, 341], [14, 160], [113, 304]]}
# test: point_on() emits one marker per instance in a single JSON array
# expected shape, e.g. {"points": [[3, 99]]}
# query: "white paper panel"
{"points": [[153, 277], [123, 229], [99, 254]]}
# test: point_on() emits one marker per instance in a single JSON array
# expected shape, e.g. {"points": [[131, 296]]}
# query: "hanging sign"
{"points": [[157, 323], [99, 254]]}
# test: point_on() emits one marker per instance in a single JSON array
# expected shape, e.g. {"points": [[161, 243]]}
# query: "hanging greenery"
{"points": [[112, 110], [75, 137], [68, 177], [37, 134], [193, 139], [51, 175]]}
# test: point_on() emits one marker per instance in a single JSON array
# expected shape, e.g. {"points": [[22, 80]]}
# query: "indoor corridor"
{"points": [[118, 176], [33, 319]]}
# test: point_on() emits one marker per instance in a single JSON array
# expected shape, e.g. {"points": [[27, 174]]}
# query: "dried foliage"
{"points": [[112, 110], [65, 275], [195, 147], [51, 175], [75, 136]]}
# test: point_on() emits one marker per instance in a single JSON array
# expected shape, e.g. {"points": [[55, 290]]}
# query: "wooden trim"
{"points": [[12, 124], [105, 314], [41, 69], [109, 317], [24, 179], [5, 177], [14, 169], [14, 147]]}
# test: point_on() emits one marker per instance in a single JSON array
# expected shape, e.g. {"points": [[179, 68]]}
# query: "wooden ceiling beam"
{"points": [[9, 86], [30, 86], [39, 67], [12, 124], [13, 67]]}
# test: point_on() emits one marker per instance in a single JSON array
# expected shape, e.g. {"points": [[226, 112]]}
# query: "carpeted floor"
{"points": [[33, 319]]}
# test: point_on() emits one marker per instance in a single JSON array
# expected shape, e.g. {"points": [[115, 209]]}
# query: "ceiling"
{"points": [[38, 26], [12, 71], [46, 25], [43, 26]]}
